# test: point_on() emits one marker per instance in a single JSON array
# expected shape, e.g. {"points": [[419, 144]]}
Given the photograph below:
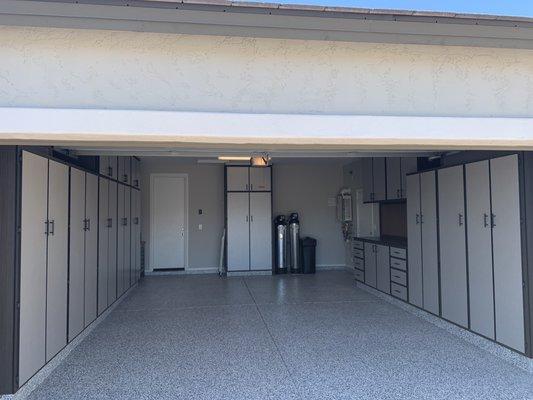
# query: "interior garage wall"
{"points": [[307, 188], [206, 192], [44, 67]]}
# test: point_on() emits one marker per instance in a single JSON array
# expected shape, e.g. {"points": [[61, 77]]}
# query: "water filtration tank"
{"points": [[280, 243], [294, 242]]}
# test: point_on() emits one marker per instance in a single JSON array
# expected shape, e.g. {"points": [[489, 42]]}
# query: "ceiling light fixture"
{"points": [[234, 158]]}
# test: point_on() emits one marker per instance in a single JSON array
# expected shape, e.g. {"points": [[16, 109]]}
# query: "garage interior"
{"points": [[421, 264], [153, 151]]}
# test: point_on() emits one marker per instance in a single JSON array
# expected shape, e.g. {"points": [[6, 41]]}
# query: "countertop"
{"points": [[394, 241]]}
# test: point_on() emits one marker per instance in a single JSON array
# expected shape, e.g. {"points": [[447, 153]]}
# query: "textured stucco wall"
{"points": [[43, 67]]}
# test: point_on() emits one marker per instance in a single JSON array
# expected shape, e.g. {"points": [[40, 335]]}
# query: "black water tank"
{"points": [[308, 255]]}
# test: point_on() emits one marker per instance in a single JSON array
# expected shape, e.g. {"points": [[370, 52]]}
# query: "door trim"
{"points": [[186, 214]]}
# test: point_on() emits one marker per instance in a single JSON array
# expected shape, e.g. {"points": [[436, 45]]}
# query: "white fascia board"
{"points": [[270, 23], [159, 129]]}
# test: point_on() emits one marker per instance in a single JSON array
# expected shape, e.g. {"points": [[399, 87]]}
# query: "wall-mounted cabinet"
{"points": [[109, 166], [385, 178], [248, 179]]}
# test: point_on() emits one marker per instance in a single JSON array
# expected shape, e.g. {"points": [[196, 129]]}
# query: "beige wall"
{"points": [[206, 192], [304, 188], [44, 67]]}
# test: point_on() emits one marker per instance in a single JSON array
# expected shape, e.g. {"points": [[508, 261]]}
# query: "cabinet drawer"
{"points": [[358, 253], [397, 252], [398, 264], [358, 263], [398, 291], [359, 275], [398, 277], [357, 244]]}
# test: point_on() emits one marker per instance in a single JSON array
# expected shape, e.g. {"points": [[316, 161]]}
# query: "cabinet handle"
{"points": [[53, 229], [124, 178], [460, 219], [417, 219], [247, 218], [88, 224], [398, 193], [109, 171], [485, 220], [492, 220], [251, 218], [421, 218], [251, 186], [109, 222], [46, 227], [247, 187]]}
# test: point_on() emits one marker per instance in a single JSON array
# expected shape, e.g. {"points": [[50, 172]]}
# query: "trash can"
{"points": [[308, 255]]}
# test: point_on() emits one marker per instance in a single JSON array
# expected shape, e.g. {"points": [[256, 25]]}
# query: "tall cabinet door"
{"points": [[414, 240], [508, 295], [383, 268], [379, 175], [76, 321], [120, 241], [409, 165], [112, 244], [479, 235], [394, 178], [370, 265], [103, 243], [260, 231], [127, 237], [57, 279], [33, 265], [133, 244], [91, 248], [238, 248], [430, 262], [453, 275]]}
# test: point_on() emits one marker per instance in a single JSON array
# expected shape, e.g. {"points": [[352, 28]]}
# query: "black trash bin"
{"points": [[308, 255]]}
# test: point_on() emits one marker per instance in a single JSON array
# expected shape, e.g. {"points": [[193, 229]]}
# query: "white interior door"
{"points": [[76, 254], [33, 265], [261, 231], [168, 203], [57, 277]]}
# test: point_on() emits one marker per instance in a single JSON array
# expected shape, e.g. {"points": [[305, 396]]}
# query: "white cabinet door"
{"points": [[379, 176], [237, 179], [113, 167], [383, 268], [76, 254], [453, 275], [409, 165], [120, 241], [113, 223], [33, 265], [260, 179], [57, 279], [103, 243], [507, 252], [238, 235], [479, 241], [260, 231], [127, 237], [394, 178], [127, 170], [430, 262], [91, 248], [136, 234], [414, 241], [370, 265]]}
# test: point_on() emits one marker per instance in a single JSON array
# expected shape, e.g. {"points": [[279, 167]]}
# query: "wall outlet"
{"points": [[200, 227]]}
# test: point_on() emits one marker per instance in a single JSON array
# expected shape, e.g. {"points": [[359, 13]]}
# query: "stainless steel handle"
{"points": [[460, 219], [110, 222], [85, 224], [492, 220], [53, 229], [247, 218], [485, 220], [251, 186], [417, 219], [88, 224], [247, 187], [421, 218], [124, 178], [46, 227], [251, 218]]}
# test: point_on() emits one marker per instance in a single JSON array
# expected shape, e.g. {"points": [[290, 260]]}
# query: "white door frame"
{"points": [[186, 213]]}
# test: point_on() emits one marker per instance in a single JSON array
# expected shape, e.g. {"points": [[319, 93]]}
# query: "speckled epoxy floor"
{"points": [[263, 337]]}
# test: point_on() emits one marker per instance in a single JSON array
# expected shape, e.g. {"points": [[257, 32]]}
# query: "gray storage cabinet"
{"points": [[44, 261], [120, 241], [397, 170], [452, 234], [479, 233], [91, 248], [248, 218], [507, 252], [414, 240], [112, 223], [383, 268], [374, 179], [370, 265], [127, 238], [103, 243]]}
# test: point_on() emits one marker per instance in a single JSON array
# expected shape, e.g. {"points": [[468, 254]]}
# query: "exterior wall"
{"points": [[305, 188], [301, 187], [44, 67]]}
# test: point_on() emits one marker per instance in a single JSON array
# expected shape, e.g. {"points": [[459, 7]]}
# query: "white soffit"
{"points": [[133, 128]]}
